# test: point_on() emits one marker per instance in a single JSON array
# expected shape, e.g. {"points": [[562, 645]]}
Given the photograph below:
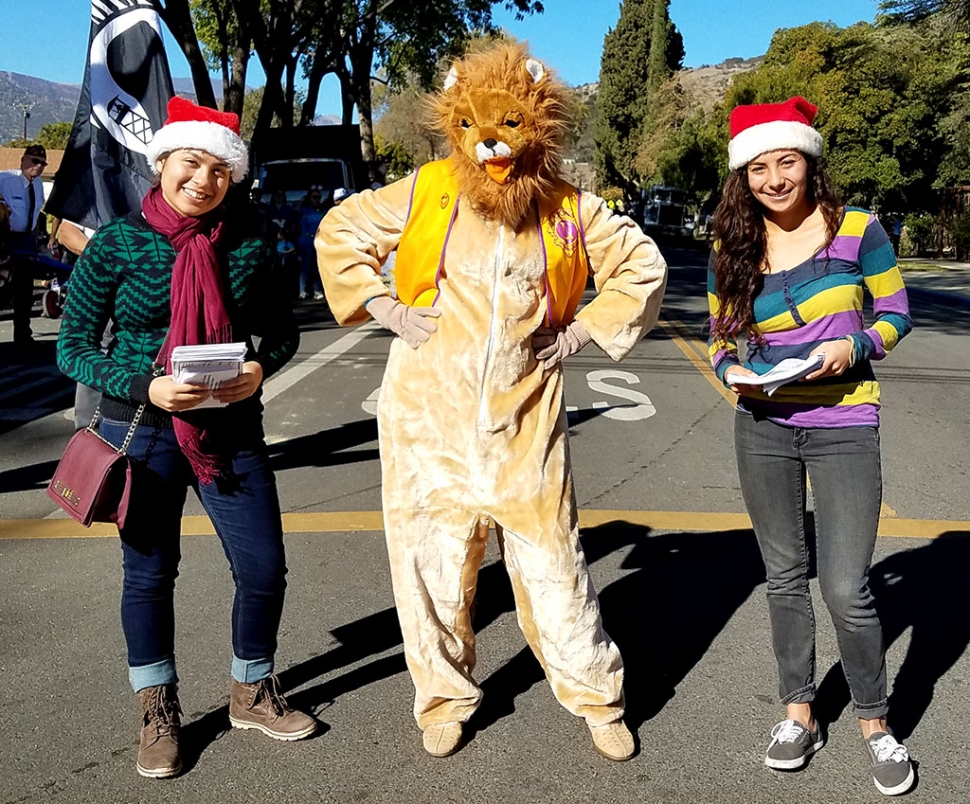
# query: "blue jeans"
{"points": [[846, 475], [309, 272], [247, 520]]}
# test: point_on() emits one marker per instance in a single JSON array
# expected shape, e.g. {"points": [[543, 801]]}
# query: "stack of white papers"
{"points": [[209, 364], [785, 372]]}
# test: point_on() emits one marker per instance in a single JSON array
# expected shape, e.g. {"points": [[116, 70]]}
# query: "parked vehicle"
{"points": [[664, 213], [294, 160], [296, 176]]}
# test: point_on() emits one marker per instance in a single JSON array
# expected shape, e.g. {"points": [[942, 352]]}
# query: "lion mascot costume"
{"points": [[493, 254]]}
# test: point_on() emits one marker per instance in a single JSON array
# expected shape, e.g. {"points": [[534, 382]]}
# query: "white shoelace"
{"points": [[887, 749], [788, 731]]}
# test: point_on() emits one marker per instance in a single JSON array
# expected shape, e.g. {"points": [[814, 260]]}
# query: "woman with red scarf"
{"points": [[184, 270]]}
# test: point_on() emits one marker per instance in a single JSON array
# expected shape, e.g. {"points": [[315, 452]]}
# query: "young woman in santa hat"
{"points": [[182, 270], [788, 274]]}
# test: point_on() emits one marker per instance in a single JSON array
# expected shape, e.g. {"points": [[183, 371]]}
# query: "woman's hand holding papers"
{"points": [[174, 397], [838, 357], [243, 386], [739, 388]]}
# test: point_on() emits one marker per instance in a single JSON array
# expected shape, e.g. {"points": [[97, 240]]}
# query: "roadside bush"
{"points": [[961, 236], [921, 230]]}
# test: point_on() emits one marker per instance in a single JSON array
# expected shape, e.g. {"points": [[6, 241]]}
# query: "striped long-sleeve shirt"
{"points": [[820, 300]]}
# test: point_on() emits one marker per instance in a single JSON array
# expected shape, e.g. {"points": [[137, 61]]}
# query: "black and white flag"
{"points": [[127, 86]]}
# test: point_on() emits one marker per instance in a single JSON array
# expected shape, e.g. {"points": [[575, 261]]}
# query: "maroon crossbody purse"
{"points": [[92, 481]]}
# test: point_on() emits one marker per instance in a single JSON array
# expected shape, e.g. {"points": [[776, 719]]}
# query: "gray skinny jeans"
{"points": [[846, 476]]}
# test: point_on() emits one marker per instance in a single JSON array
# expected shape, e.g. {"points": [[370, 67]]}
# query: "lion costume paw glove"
{"points": [[413, 324], [552, 346]]}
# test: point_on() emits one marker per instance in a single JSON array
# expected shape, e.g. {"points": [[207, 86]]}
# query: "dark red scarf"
{"points": [[198, 313]]}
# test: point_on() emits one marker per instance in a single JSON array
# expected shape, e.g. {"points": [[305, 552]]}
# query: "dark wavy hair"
{"points": [[739, 228]]}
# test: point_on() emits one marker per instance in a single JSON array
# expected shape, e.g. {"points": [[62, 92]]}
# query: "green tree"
{"points": [[54, 135], [252, 105], [227, 47], [882, 93], [621, 100], [406, 39], [955, 12], [639, 54]]}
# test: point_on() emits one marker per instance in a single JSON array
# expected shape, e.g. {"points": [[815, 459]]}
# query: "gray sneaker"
{"points": [[892, 770], [791, 745]]}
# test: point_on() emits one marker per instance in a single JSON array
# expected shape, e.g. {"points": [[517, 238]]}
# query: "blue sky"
{"points": [[568, 36]]}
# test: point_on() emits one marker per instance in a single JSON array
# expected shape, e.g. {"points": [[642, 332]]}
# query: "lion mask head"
{"points": [[505, 118]]}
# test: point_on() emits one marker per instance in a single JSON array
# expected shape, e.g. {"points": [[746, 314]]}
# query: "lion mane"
{"points": [[503, 96]]}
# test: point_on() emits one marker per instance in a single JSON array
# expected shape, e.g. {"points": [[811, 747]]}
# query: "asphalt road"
{"points": [[680, 581]]}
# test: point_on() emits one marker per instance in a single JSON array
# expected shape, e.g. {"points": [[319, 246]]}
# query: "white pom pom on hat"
{"points": [[209, 130], [762, 127]]}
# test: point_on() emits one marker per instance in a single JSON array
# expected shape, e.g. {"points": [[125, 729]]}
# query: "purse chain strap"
{"points": [[123, 449]]}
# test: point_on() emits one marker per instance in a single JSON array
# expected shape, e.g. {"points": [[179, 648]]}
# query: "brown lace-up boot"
{"points": [[262, 706], [158, 746]]}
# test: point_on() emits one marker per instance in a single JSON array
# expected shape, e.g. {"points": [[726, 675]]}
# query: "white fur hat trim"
{"points": [[773, 136], [203, 136]]}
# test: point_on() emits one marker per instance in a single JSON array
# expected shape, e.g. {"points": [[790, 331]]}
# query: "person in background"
{"points": [[279, 215], [73, 239], [287, 258], [6, 262], [189, 268], [23, 193], [788, 272], [311, 213], [897, 232]]}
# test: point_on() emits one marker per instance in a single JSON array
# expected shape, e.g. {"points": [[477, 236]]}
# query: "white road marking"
{"points": [[642, 408], [283, 382]]}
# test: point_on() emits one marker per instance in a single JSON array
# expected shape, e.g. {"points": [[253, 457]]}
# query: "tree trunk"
{"points": [[179, 21], [289, 98], [272, 97], [318, 71], [346, 97], [233, 101], [365, 117]]}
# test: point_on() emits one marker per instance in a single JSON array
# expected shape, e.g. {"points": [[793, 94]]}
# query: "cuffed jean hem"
{"points": [[804, 695], [153, 675], [249, 671], [871, 711]]}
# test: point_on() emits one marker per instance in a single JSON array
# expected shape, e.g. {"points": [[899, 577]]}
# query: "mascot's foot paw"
{"points": [[442, 739], [613, 741]]}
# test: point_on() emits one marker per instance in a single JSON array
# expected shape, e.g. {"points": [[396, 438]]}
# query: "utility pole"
{"points": [[25, 107]]}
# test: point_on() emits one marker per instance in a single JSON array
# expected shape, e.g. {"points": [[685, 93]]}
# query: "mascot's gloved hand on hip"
{"points": [[552, 346], [413, 324]]}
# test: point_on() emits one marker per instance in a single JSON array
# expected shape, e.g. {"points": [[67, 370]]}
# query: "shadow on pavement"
{"points": [[27, 478], [664, 615], [923, 589], [320, 448], [680, 591]]}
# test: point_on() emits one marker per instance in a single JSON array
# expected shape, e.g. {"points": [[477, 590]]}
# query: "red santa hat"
{"points": [[209, 130], [762, 127]]}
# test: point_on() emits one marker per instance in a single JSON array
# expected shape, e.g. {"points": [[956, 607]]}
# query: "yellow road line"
{"points": [[371, 521], [682, 339]]}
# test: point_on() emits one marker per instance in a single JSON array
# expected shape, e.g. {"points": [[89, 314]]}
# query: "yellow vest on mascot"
{"points": [[431, 218]]}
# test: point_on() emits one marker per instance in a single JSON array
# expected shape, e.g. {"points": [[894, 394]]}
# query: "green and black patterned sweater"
{"points": [[125, 276]]}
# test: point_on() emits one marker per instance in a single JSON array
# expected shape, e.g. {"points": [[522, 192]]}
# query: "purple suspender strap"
{"points": [[444, 248]]}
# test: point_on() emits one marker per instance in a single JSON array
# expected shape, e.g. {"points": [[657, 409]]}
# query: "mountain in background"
{"points": [[48, 102], [51, 102], [704, 86]]}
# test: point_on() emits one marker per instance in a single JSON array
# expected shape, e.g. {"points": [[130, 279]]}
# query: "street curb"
{"points": [[941, 296]]}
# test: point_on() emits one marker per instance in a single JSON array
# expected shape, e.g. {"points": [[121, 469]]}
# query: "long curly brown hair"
{"points": [[739, 259]]}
